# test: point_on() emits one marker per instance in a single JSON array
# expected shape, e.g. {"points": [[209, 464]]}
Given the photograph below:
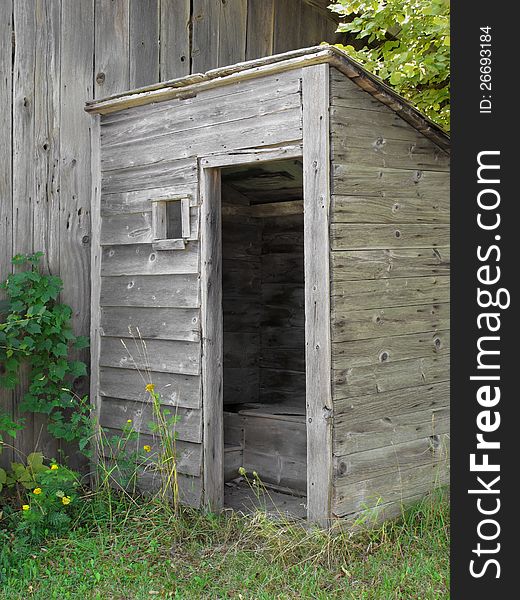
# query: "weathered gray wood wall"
{"points": [[149, 152], [390, 257], [57, 54]]}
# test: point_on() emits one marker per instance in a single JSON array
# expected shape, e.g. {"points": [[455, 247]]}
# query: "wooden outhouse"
{"points": [[271, 250]]}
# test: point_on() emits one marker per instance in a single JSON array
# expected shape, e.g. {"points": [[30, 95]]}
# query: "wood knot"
{"points": [[397, 233], [383, 357], [100, 78]]}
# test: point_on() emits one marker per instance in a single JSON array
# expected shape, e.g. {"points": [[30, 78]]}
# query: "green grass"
{"points": [[129, 551]]}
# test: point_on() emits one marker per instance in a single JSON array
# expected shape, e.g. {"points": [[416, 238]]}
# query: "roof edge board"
{"points": [[275, 64]]}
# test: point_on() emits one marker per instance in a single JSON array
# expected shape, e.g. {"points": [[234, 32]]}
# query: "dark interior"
{"points": [[264, 318]]}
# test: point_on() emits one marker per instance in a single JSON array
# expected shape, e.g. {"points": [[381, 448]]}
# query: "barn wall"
{"points": [[390, 256], [57, 54], [150, 300]]}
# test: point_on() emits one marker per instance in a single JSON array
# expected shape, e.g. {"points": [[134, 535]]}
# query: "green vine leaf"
{"points": [[35, 331]]}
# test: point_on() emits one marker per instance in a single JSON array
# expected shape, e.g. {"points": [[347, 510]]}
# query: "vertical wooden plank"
{"points": [[77, 52], [24, 155], [316, 189], [46, 217], [205, 35], [212, 336], [287, 26], [144, 42], [6, 200], [260, 28], [175, 51], [95, 269], [232, 32], [112, 56]]}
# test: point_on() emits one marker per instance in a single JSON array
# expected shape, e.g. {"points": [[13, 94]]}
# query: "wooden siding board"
{"points": [[394, 488], [392, 375], [349, 325], [175, 23], [6, 192], [178, 324], [205, 36], [316, 182], [168, 291], [143, 42], [159, 355], [260, 28], [174, 389], [355, 265], [115, 413], [142, 259], [212, 332], [360, 353], [112, 49], [232, 32], [287, 26], [383, 432], [74, 175], [387, 293]]}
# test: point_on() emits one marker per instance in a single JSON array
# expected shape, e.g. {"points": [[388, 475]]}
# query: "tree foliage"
{"points": [[407, 44]]}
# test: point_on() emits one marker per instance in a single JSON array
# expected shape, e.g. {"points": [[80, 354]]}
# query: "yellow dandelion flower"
{"points": [[66, 500], [129, 421], [150, 387], [26, 507], [54, 467], [147, 448], [37, 491]]}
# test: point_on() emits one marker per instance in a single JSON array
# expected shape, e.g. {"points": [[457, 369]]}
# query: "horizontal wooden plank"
{"points": [[351, 122], [141, 200], [359, 353], [244, 100], [272, 82], [347, 236], [169, 291], [356, 180], [385, 293], [154, 355], [188, 456], [190, 488], [174, 389], [181, 173], [262, 129], [350, 325], [389, 460], [376, 209], [377, 433], [353, 265], [181, 324], [393, 375], [372, 150], [388, 404], [142, 259], [136, 228], [349, 498], [241, 315], [116, 412]]}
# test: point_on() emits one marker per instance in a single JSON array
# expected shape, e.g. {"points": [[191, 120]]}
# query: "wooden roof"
{"points": [[273, 64]]}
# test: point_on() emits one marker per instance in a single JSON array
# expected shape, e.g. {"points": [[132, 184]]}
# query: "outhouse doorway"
{"points": [[253, 331]]}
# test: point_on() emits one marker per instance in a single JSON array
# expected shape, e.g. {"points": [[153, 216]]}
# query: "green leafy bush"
{"points": [[37, 332], [47, 496], [407, 44]]}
